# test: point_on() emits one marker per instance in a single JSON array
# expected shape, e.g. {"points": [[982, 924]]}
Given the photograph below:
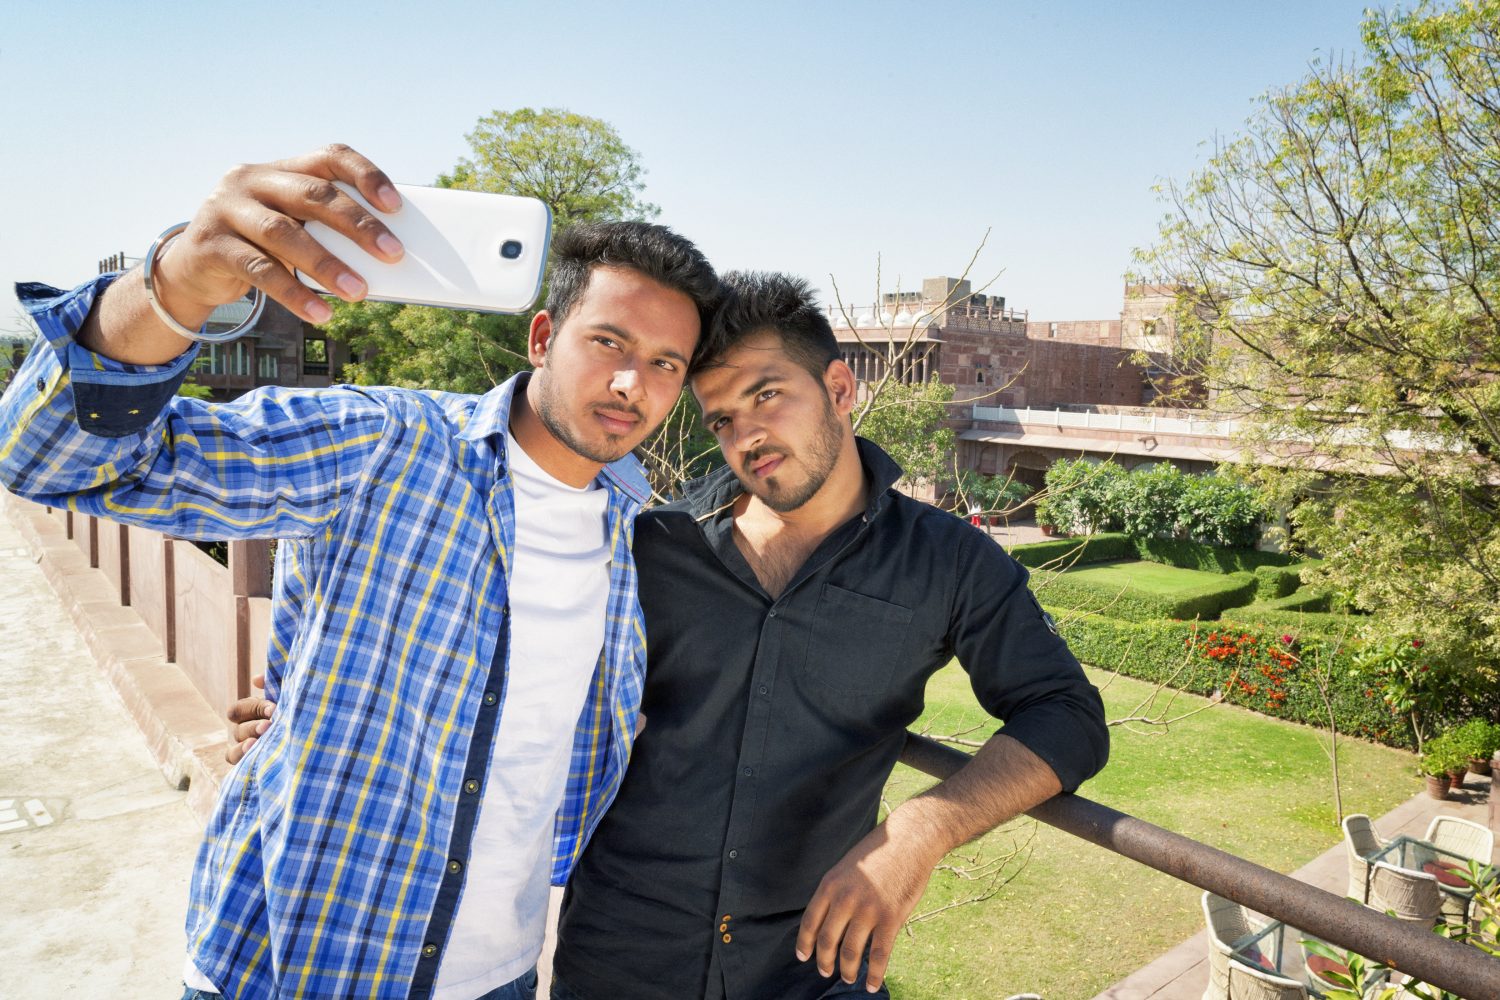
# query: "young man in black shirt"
{"points": [[796, 605]]}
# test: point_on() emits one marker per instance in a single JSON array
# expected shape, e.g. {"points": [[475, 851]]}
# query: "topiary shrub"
{"points": [[1131, 604], [1273, 581], [1325, 622], [1060, 553], [1186, 554]]}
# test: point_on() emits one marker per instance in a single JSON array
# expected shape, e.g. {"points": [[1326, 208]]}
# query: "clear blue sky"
{"points": [[807, 137]]}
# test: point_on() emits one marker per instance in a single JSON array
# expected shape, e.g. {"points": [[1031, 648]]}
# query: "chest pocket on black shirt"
{"points": [[856, 642]]}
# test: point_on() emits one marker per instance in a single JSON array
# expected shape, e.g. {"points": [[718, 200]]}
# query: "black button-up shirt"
{"points": [[773, 724]]}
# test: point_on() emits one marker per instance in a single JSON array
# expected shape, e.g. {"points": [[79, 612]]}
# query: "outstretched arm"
{"points": [[865, 898], [249, 232]]}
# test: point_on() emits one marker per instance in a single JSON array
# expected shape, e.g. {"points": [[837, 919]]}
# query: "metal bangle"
{"points": [[148, 278]]}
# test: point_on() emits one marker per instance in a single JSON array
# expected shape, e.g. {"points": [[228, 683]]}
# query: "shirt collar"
{"points": [[491, 416], [720, 488]]}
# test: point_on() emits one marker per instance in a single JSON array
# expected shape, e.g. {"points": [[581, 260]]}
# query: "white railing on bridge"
{"points": [[1187, 422], [1181, 422]]}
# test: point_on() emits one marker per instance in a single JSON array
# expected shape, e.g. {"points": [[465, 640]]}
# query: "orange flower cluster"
{"points": [[1248, 656]]}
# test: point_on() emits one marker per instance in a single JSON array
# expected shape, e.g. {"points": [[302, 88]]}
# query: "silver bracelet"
{"points": [[148, 279]]}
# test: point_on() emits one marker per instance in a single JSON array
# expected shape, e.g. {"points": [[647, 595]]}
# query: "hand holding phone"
{"points": [[464, 249]]}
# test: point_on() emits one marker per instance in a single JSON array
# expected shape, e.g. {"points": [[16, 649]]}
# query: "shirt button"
{"points": [[733, 855], [749, 771], [505, 611], [454, 867], [764, 690], [727, 939], [471, 786], [41, 385], [771, 613], [727, 918], [490, 697], [723, 927], [429, 950]]}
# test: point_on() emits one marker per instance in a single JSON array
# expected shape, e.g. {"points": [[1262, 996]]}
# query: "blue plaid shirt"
{"points": [[328, 866]]}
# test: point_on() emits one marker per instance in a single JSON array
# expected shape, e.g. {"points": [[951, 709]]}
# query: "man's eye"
{"points": [[719, 424], [768, 394], [606, 342], [666, 366]]}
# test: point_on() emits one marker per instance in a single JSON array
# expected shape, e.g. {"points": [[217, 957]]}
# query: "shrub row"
{"points": [[1303, 610], [1281, 572], [1150, 501], [1131, 604], [1264, 669], [1186, 554], [1062, 552]]}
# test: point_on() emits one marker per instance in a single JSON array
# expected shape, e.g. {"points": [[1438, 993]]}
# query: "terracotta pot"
{"points": [[1479, 765], [1437, 786], [1456, 778], [996, 520], [1047, 529]]}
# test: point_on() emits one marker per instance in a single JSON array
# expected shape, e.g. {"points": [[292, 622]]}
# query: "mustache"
{"points": [[614, 410], [751, 457]]}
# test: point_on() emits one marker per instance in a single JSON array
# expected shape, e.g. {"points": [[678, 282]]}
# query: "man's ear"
{"points": [[539, 339], [840, 382]]}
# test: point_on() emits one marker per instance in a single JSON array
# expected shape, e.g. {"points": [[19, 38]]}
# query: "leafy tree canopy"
{"points": [[1340, 286], [908, 420]]}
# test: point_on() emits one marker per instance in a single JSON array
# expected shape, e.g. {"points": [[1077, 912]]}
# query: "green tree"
{"points": [[1341, 293], [909, 420], [576, 164]]}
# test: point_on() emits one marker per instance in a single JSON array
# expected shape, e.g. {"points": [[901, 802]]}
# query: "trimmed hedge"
{"points": [[1250, 666], [1306, 599], [1184, 554], [1060, 552], [1132, 604], [1304, 610], [1272, 582]]}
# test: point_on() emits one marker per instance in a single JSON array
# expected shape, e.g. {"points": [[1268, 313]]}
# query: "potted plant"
{"points": [[1478, 739], [1436, 773], [1438, 760]]}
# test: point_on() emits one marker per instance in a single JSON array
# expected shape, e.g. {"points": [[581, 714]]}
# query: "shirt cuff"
{"points": [[110, 398]]}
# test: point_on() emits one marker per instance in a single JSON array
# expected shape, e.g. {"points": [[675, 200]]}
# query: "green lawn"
{"points": [[1075, 918], [1152, 577]]}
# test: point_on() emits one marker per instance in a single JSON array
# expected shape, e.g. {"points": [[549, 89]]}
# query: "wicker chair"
{"points": [[1249, 983], [1360, 841], [1228, 922], [1407, 895], [1461, 837]]}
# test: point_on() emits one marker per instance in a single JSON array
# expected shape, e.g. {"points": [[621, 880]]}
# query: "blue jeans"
{"points": [[523, 988], [561, 990]]}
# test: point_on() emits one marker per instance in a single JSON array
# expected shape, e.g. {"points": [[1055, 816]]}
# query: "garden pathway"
{"points": [[1182, 973]]}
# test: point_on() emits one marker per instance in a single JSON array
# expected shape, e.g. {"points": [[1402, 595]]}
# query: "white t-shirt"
{"points": [[559, 588]]}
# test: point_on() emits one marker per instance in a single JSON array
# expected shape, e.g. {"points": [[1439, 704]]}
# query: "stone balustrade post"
{"points": [[250, 573]]}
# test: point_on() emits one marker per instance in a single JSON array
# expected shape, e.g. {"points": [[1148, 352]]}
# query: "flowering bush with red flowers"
{"points": [[1274, 671]]}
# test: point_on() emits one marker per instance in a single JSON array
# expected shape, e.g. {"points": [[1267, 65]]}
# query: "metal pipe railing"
{"points": [[1408, 948]]}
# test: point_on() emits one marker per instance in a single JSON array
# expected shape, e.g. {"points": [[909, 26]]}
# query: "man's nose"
{"points": [[748, 436], [627, 385]]}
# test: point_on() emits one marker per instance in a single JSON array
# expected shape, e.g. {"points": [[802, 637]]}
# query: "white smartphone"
{"points": [[464, 249]]}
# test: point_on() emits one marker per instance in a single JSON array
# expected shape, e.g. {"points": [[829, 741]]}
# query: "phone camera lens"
{"points": [[510, 249]]}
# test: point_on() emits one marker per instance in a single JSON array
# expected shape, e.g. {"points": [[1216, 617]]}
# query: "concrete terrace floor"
{"points": [[95, 846]]}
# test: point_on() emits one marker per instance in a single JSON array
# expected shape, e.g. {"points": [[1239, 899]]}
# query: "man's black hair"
{"points": [[781, 303], [652, 250]]}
